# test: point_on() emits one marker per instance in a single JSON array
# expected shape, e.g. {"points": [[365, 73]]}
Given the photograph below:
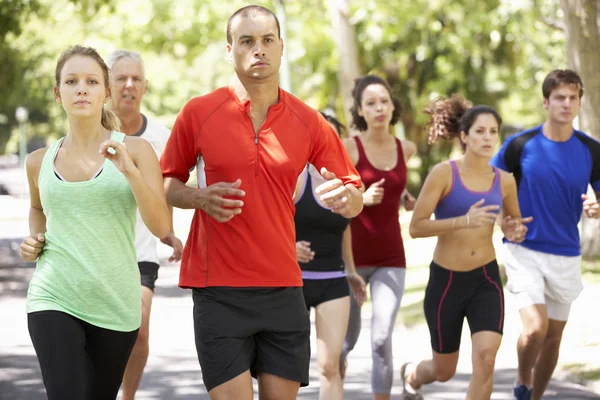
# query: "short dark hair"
{"points": [[339, 127], [450, 117], [250, 11], [360, 84], [561, 77]]}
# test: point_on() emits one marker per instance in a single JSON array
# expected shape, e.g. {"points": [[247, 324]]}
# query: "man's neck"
{"points": [[261, 94], [557, 132], [131, 123]]}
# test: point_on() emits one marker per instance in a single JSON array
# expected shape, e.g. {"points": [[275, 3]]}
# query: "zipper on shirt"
{"points": [[256, 146], [256, 159]]}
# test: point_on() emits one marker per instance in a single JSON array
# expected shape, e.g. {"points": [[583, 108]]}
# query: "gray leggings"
{"points": [[387, 288]]}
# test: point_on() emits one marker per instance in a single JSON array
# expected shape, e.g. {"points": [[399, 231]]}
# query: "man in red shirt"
{"points": [[240, 258]]}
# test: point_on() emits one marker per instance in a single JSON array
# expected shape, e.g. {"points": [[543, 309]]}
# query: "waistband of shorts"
{"points": [[491, 266], [318, 275]]}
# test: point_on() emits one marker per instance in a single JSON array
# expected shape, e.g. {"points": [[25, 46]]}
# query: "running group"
{"points": [[292, 213]]}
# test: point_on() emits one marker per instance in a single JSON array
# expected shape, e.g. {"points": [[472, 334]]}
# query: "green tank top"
{"points": [[88, 268]]}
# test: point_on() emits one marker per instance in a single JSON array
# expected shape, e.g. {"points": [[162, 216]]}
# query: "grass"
{"points": [[584, 372], [590, 269]]}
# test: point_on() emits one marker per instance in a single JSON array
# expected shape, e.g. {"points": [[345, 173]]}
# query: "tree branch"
{"points": [[552, 24]]}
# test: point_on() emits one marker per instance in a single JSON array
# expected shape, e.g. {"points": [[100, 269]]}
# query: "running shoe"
{"points": [[410, 393], [521, 392]]}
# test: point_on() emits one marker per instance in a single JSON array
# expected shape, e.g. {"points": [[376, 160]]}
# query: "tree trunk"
{"points": [[583, 55], [345, 39]]}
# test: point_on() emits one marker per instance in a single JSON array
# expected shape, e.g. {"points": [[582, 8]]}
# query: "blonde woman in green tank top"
{"points": [[83, 302]]}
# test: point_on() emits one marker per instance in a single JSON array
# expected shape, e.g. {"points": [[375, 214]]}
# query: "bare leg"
{"points": [[441, 368], [547, 358], [485, 348], [272, 387], [331, 323], [238, 388], [535, 326], [139, 354]]}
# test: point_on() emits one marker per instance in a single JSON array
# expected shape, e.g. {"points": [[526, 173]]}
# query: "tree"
{"points": [[491, 52], [345, 39], [20, 59], [583, 55]]}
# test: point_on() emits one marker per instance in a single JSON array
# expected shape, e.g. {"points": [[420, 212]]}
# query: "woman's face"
{"points": [[82, 90], [483, 135], [376, 106]]}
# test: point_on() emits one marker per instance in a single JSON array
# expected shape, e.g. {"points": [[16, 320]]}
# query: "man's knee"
{"points": [[535, 323]]}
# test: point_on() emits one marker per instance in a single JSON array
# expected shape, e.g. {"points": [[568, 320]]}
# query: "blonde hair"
{"points": [[109, 119]]}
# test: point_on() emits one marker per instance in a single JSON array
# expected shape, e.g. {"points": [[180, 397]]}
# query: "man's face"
{"points": [[563, 104], [255, 48], [128, 84]]}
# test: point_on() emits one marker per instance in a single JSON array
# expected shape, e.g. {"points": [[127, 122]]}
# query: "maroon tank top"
{"points": [[376, 236]]}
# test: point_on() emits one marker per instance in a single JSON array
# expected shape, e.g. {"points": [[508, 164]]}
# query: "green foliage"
{"points": [[494, 52]]}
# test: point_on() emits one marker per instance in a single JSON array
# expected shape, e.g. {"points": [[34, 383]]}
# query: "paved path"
{"points": [[173, 372]]}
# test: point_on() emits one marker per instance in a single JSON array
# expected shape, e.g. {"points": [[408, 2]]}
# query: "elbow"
{"points": [[162, 226], [170, 187], [169, 195], [162, 231], [414, 231]]}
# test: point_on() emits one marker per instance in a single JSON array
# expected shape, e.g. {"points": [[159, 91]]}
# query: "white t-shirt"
{"points": [[200, 173], [145, 242]]}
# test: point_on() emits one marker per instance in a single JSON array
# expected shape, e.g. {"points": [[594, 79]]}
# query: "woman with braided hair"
{"points": [[465, 195]]}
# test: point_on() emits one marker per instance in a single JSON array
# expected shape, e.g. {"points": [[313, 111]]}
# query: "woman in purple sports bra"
{"points": [[466, 196]]}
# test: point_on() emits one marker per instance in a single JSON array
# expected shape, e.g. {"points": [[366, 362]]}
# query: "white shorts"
{"points": [[541, 278]]}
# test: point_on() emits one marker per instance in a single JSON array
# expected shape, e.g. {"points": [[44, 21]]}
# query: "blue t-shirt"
{"points": [[551, 177]]}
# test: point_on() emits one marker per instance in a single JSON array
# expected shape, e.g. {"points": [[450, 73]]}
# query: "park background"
{"points": [[493, 52]]}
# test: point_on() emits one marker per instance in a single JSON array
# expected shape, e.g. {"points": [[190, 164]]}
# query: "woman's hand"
{"points": [[118, 154], [359, 287], [32, 247], [304, 254]]}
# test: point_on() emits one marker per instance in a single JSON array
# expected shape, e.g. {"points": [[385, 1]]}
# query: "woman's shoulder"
{"points": [[442, 168], [137, 143], [35, 158], [507, 180], [409, 148]]}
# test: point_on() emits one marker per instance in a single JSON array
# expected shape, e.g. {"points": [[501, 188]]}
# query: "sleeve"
{"points": [[327, 150], [595, 176], [180, 153]]}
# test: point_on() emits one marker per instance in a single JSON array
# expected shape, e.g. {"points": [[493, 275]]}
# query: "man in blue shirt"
{"points": [[553, 165]]}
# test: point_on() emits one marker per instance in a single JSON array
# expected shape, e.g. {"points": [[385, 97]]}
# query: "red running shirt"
{"points": [[376, 236], [257, 247]]}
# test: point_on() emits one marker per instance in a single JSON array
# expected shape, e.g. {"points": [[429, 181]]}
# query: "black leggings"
{"points": [[79, 361], [452, 295]]}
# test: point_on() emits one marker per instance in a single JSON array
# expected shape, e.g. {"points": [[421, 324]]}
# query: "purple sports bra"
{"points": [[458, 201]]}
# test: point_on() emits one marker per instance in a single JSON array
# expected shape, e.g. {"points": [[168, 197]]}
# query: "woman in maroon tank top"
{"points": [[377, 244]]}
